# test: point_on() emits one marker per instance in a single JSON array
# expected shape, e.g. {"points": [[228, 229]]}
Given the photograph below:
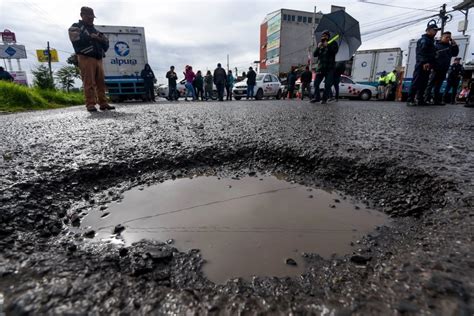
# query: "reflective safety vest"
{"points": [[382, 80], [390, 78]]}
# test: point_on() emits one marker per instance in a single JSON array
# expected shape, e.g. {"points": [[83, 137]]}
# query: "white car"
{"points": [[267, 85], [162, 90], [351, 89]]}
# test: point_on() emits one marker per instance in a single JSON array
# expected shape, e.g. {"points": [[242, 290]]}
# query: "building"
{"points": [[286, 38]]}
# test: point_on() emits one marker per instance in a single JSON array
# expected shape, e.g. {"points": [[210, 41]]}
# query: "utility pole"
{"points": [[443, 17], [49, 62], [313, 42]]}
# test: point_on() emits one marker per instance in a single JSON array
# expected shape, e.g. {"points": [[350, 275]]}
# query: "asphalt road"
{"points": [[414, 163]]}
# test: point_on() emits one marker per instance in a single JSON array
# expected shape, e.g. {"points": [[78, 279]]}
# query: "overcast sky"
{"points": [[201, 32]]}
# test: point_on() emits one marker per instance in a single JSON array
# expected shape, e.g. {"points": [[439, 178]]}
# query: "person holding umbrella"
{"points": [[326, 54]]}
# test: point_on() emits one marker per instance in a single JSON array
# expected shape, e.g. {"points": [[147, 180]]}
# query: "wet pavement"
{"points": [[243, 228], [414, 164]]}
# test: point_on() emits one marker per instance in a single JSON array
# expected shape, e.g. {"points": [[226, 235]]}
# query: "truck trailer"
{"points": [[124, 62], [368, 65]]}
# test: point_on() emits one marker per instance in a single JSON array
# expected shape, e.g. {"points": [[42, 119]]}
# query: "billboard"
{"points": [[273, 61], [274, 24], [19, 77], [43, 55], [12, 51]]}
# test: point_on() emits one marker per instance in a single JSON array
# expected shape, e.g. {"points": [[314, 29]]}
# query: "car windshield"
{"points": [[260, 77]]}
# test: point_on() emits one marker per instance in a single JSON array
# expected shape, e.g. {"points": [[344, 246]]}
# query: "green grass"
{"points": [[15, 98]]}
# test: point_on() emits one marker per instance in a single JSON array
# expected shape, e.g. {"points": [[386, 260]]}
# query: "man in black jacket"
{"points": [[425, 58], [326, 54], [446, 49], [251, 82], [90, 46], [306, 78], [172, 78], [455, 73], [220, 78]]}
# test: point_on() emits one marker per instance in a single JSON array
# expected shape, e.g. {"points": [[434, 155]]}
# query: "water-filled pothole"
{"points": [[244, 227]]}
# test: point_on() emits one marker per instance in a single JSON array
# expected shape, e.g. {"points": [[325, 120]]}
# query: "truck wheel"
{"points": [[278, 96], [259, 95], [238, 98], [365, 95]]}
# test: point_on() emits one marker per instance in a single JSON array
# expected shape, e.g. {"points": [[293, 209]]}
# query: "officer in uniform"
{"points": [[446, 49], [381, 86], [425, 58], [454, 75]]}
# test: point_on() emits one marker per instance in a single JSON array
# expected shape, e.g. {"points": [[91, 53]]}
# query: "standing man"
{"points": [[391, 85], [425, 59], [381, 86], [306, 78], [251, 82], [90, 46], [454, 76], [338, 71], [220, 78], [326, 54], [172, 78], [149, 82], [446, 49], [5, 75], [291, 83]]}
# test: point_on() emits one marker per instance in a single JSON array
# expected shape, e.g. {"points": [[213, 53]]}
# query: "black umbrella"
{"points": [[344, 29]]}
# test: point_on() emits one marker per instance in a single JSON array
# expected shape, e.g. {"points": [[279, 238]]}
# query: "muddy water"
{"points": [[242, 227]]}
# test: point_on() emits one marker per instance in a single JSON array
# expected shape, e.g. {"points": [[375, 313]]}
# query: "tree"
{"points": [[42, 79], [66, 76]]}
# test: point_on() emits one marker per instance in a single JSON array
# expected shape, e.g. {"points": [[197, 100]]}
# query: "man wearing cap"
{"points": [[446, 49], [455, 73], [90, 46], [326, 54], [425, 58]]}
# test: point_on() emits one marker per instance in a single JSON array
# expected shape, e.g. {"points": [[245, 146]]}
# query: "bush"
{"points": [[14, 97]]}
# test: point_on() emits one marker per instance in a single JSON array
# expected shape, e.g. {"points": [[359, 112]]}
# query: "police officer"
{"points": [[454, 76], [425, 58], [391, 88], [381, 86], [446, 49]]}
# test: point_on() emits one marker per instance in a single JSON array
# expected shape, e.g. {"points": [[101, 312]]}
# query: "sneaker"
{"points": [[411, 103], [313, 101], [91, 108], [107, 107], [324, 102]]}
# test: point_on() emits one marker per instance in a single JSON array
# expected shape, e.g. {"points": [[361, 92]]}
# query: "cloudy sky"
{"points": [[203, 32]]}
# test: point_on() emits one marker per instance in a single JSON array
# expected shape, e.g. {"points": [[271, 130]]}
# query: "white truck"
{"points": [[124, 61], [464, 53], [368, 65]]}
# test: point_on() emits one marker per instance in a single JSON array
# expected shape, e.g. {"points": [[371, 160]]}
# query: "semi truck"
{"points": [[464, 52], [368, 65], [124, 61]]}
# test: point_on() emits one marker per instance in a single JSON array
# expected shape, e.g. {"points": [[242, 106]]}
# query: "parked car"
{"points": [[162, 90], [267, 85], [348, 89]]}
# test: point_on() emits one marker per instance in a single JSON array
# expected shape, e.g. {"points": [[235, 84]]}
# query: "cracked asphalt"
{"points": [[415, 164]]}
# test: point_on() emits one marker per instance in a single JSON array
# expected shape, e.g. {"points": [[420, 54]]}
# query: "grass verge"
{"points": [[16, 98]]}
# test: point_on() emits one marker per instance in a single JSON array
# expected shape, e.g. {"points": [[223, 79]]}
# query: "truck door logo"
{"points": [[122, 49], [364, 64]]}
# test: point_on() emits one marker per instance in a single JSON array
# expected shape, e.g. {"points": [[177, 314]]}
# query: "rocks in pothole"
{"points": [[118, 229], [89, 234], [360, 260], [291, 262]]}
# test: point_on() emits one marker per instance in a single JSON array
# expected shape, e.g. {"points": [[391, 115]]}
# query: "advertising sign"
{"points": [[43, 55], [274, 24], [8, 37], [19, 77], [273, 61], [12, 51], [273, 44]]}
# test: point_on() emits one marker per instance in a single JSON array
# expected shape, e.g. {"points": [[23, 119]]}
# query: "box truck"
{"points": [[124, 61], [368, 65]]}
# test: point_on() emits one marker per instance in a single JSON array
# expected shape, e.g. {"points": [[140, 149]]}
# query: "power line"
{"points": [[395, 6]]}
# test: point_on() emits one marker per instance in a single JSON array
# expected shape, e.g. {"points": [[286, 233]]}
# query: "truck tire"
{"points": [[259, 95], [365, 95]]}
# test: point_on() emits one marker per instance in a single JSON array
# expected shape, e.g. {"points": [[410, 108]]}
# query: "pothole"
{"points": [[253, 226]]}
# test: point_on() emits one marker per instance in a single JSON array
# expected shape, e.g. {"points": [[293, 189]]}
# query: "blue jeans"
{"points": [[250, 89], [190, 88]]}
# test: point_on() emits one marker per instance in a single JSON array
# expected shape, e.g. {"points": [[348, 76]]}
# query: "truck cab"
{"points": [[124, 62]]}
